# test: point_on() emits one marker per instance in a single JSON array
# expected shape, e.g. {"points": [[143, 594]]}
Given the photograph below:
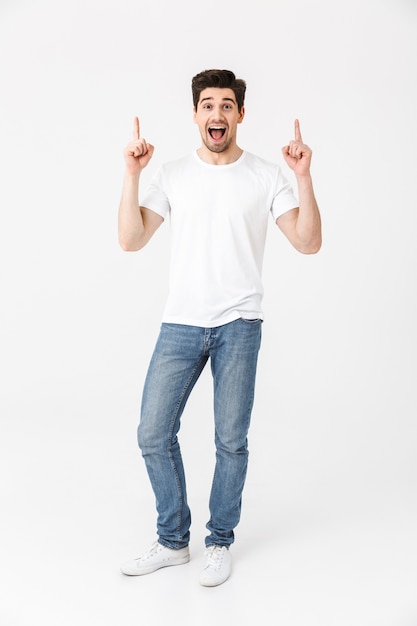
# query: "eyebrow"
{"points": [[223, 100]]}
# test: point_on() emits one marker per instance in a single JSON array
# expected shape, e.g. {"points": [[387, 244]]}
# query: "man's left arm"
{"points": [[301, 225]]}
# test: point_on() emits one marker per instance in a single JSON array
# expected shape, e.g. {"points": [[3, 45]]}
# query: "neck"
{"points": [[230, 155]]}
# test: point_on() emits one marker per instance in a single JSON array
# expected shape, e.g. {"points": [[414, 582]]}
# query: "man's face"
{"points": [[217, 117]]}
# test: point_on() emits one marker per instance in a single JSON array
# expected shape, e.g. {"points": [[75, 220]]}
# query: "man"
{"points": [[219, 200]]}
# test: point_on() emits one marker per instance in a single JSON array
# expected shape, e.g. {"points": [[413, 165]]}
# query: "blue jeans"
{"points": [[180, 355]]}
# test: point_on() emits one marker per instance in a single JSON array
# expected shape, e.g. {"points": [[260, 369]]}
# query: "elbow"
{"points": [[132, 240], [127, 248], [128, 245], [312, 247]]}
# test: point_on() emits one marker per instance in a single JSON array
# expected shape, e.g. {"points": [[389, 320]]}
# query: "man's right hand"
{"points": [[138, 152]]}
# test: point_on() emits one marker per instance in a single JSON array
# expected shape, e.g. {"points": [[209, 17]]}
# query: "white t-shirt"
{"points": [[219, 217]]}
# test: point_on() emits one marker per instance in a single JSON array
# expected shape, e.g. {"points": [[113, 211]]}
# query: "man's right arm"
{"points": [[136, 224]]}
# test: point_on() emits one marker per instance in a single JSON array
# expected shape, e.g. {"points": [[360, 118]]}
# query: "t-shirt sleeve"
{"points": [[155, 197], [284, 198]]}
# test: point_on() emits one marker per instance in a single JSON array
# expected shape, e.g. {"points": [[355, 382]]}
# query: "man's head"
{"points": [[218, 108], [221, 79]]}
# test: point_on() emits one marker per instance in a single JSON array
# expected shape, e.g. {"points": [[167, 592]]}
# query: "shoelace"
{"points": [[155, 547], [214, 556]]}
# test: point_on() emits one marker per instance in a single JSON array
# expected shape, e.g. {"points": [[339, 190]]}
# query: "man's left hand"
{"points": [[297, 154]]}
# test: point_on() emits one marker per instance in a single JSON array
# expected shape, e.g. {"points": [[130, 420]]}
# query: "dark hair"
{"points": [[223, 79]]}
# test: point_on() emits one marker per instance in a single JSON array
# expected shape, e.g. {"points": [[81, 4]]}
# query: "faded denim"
{"points": [[180, 354]]}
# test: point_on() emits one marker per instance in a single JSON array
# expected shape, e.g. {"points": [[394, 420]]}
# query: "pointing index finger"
{"points": [[297, 131], [136, 128]]}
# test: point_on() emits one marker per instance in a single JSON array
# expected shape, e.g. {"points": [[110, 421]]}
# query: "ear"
{"points": [[241, 115], [194, 115]]}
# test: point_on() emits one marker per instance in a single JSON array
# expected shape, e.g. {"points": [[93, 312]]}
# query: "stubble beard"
{"points": [[217, 147]]}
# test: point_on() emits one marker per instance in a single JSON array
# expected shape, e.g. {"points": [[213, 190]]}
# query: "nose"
{"points": [[217, 113]]}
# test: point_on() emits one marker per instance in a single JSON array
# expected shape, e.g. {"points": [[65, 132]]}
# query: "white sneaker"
{"points": [[217, 566], [156, 557]]}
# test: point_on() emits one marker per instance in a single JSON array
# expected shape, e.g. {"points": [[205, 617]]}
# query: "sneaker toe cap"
{"points": [[129, 568]]}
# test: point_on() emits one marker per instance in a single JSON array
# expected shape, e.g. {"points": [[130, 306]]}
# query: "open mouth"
{"points": [[216, 132]]}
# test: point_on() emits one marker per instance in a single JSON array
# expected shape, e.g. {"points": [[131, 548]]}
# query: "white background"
{"points": [[327, 535]]}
